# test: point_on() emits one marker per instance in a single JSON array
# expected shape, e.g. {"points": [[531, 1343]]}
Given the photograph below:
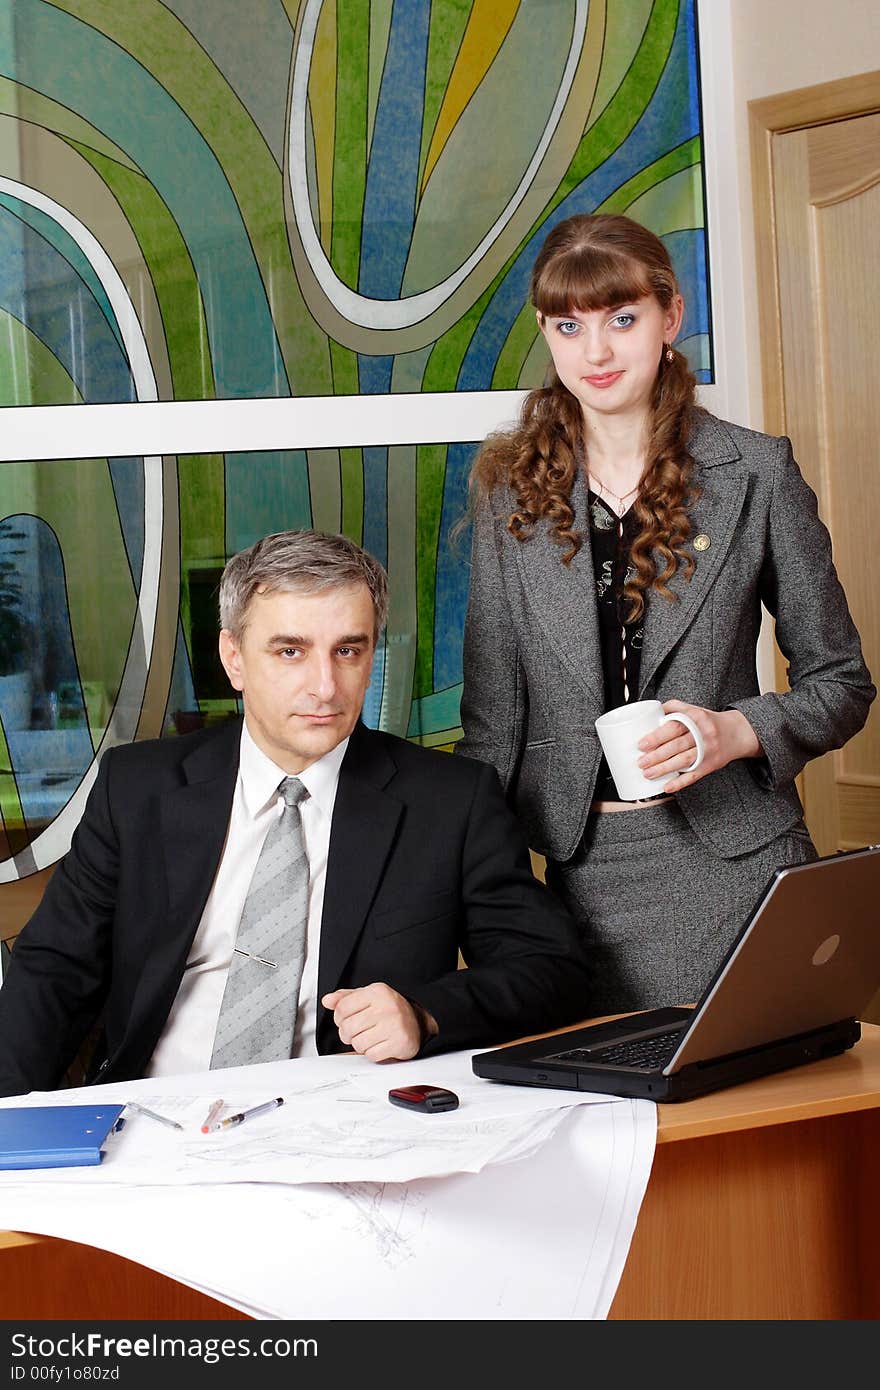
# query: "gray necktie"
{"points": [[258, 1013]]}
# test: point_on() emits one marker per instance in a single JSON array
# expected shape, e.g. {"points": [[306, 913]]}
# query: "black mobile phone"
{"points": [[428, 1099]]}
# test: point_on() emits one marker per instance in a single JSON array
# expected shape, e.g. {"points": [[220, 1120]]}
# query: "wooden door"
{"points": [[816, 165]]}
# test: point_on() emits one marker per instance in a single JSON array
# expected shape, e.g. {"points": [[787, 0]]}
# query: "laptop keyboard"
{"points": [[648, 1054]]}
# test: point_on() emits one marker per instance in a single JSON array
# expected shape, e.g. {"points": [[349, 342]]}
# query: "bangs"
{"points": [[587, 278]]}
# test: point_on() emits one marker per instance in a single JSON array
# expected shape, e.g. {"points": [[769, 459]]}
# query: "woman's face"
{"points": [[609, 358]]}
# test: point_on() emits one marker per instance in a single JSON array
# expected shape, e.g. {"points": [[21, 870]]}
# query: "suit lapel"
{"points": [[365, 820], [713, 518], [193, 820], [564, 596]]}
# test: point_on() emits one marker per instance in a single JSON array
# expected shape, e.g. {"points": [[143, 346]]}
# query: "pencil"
{"points": [[151, 1114]]}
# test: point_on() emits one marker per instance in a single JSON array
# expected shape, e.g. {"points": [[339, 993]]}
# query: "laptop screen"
{"points": [[808, 956]]}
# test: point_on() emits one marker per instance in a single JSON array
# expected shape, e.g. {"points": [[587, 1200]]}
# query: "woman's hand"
{"points": [[726, 735]]}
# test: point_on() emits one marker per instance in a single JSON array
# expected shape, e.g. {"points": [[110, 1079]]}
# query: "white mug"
{"points": [[619, 733]]}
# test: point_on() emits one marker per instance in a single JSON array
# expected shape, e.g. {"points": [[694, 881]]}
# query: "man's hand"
{"points": [[378, 1022]]}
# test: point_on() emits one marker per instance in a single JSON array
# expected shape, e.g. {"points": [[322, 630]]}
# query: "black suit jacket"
{"points": [[425, 860]]}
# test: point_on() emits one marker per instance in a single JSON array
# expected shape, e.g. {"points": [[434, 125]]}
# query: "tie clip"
{"points": [[260, 959]]}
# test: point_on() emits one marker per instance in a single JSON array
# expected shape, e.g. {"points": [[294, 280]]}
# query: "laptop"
{"points": [[790, 990]]}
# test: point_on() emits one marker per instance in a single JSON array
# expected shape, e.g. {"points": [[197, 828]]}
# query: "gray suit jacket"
{"points": [[533, 681]]}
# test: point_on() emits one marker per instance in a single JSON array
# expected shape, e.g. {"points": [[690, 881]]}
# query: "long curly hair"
{"points": [[587, 263]]}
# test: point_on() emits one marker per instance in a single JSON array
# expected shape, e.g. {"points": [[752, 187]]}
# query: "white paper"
{"points": [[336, 1125], [545, 1237]]}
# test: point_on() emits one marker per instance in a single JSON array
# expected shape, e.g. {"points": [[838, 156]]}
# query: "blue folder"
{"points": [[55, 1136]]}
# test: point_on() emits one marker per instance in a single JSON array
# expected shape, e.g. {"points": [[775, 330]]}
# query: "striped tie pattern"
{"points": [[258, 1012]]}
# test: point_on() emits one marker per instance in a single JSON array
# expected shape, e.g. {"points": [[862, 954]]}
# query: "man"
{"points": [[294, 857]]}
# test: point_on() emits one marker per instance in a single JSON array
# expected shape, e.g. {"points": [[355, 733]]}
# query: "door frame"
{"points": [[795, 110], [769, 116]]}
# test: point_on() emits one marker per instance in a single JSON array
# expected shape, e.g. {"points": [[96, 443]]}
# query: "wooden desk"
{"points": [[763, 1200], [44, 1278], [762, 1204]]}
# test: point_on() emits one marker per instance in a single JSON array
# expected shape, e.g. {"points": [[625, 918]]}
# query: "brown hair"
{"points": [[586, 263]]}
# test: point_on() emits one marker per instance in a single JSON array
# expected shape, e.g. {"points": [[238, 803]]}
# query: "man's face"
{"points": [[303, 666]]}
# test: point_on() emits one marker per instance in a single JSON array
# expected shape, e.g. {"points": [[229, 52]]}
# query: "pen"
{"points": [[151, 1114], [212, 1115], [247, 1114]]}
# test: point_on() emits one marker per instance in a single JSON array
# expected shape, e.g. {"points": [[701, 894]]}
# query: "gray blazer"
{"points": [[533, 681]]}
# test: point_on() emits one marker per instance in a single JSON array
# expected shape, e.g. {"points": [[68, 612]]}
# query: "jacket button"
{"points": [[701, 542]]}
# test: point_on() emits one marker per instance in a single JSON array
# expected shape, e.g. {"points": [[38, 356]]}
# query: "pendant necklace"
{"points": [[621, 501]]}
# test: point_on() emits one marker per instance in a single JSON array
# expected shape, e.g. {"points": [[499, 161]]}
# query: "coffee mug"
{"points": [[619, 733]]}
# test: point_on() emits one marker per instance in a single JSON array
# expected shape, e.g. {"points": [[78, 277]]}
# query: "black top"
{"points": [[611, 538]]}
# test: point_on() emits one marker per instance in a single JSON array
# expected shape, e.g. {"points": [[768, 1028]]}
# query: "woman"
{"points": [[624, 540]]}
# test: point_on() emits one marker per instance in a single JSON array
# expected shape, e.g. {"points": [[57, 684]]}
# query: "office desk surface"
{"points": [[835, 1086], [762, 1204]]}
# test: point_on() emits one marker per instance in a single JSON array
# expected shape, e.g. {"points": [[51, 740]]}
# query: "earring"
{"points": [[670, 355]]}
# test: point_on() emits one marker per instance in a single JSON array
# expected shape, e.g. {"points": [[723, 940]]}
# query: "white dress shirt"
{"points": [[187, 1040]]}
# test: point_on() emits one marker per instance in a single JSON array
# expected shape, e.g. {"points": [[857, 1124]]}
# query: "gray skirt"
{"points": [[657, 908]]}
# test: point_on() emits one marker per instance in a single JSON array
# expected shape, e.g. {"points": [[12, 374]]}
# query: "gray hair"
{"points": [[306, 562]]}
